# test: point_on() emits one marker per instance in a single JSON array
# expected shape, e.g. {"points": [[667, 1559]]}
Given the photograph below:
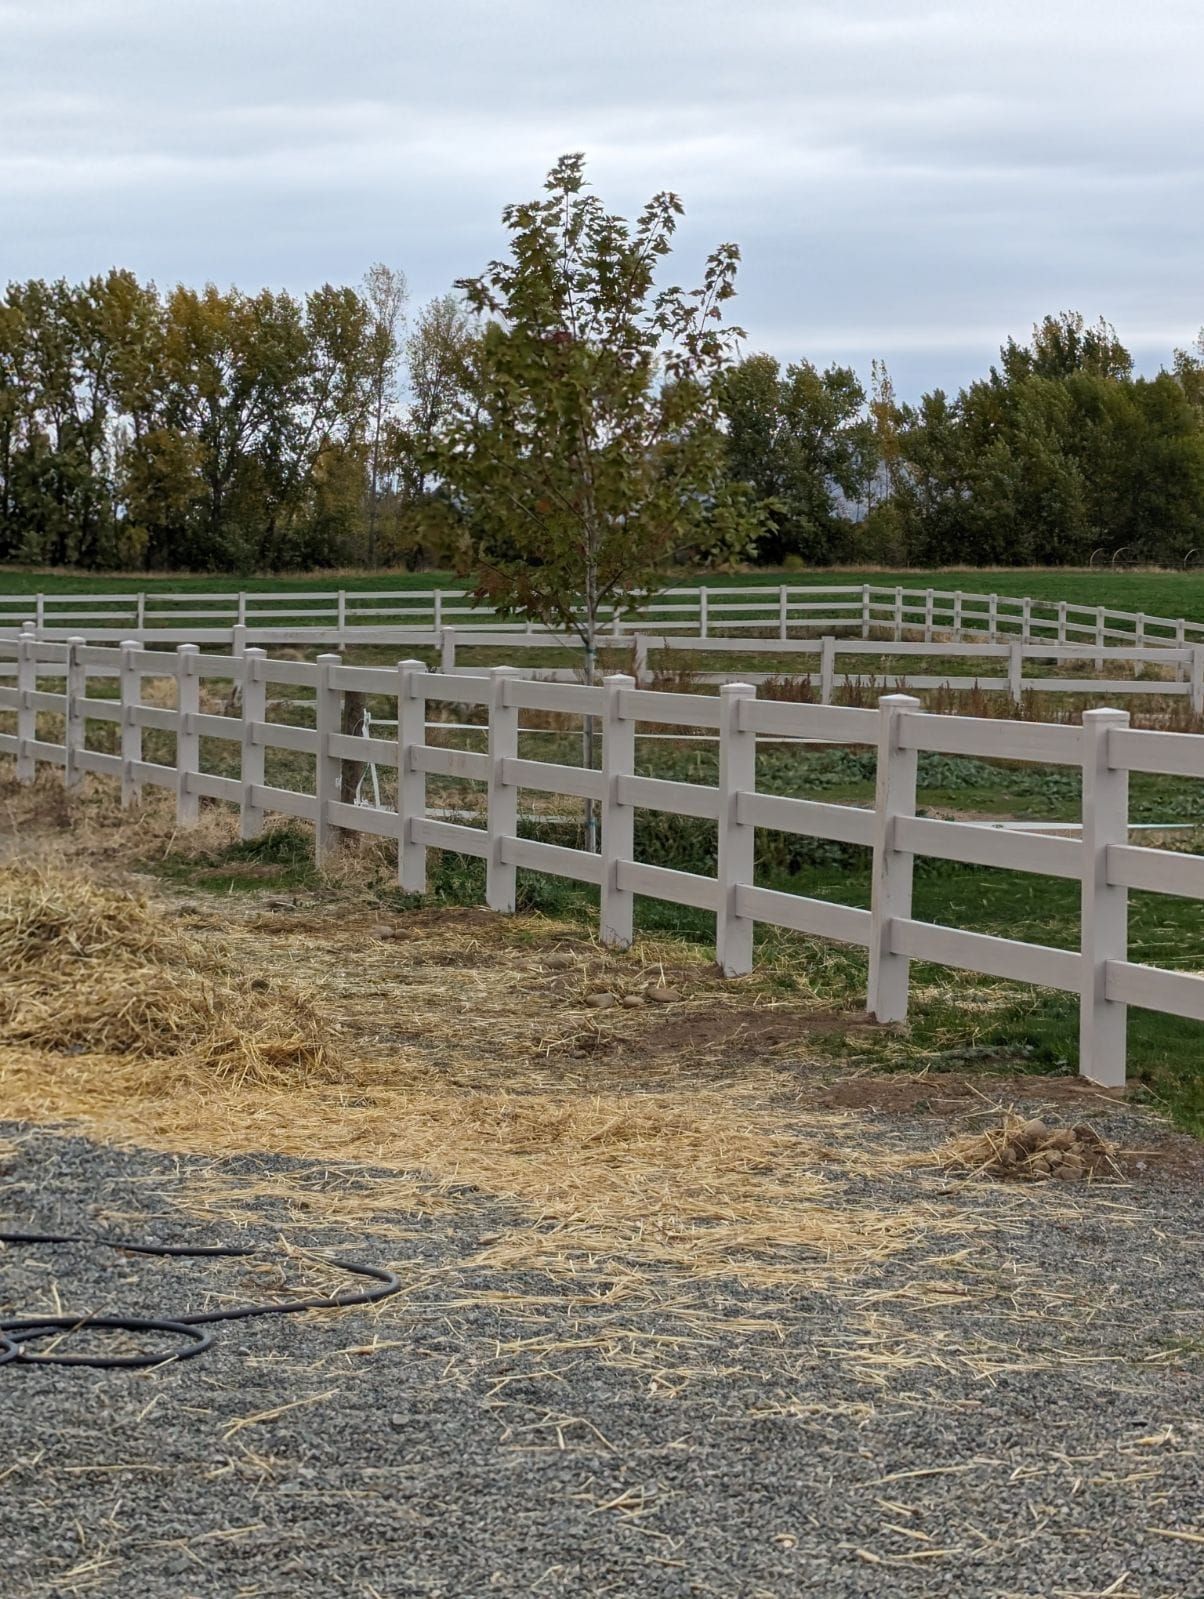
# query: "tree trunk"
{"points": [[351, 772]]}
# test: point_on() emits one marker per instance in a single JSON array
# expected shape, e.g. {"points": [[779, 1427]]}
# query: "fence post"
{"points": [[411, 779], [447, 650], [957, 617], [1061, 621], [140, 615], [327, 719], [1197, 679], [639, 659], [1099, 636], [865, 610], [929, 602], [1180, 643], [993, 617], [501, 879], [238, 640], [188, 741], [618, 819], [1026, 620], [702, 612], [1105, 917], [39, 612], [737, 774], [1139, 630], [437, 622], [783, 612], [1016, 672], [73, 734], [254, 713], [898, 615], [827, 669], [241, 618], [890, 896], [131, 728], [341, 617], [27, 717]]}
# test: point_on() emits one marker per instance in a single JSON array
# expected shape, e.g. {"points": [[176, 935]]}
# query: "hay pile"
{"points": [[92, 970], [1032, 1151]]}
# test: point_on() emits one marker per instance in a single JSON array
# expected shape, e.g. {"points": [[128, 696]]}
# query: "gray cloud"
{"points": [[905, 179]]}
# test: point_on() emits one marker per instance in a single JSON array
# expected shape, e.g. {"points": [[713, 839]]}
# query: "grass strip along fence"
{"points": [[1105, 750]]}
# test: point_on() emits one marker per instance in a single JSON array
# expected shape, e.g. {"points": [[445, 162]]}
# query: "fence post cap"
{"points": [[741, 689]]}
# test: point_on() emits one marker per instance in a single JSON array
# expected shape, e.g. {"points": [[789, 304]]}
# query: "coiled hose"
{"points": [[16, 1333]]}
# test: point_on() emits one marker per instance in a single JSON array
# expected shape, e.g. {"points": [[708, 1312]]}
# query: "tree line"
{"points": [[546, 404]]}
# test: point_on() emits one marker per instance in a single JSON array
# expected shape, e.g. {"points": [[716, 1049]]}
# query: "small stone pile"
{"points": [[1032, 1151]]}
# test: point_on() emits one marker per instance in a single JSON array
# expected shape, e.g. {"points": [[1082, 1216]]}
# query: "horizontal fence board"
{"points": [[554, 859], [982, 952], [548, 777], [450, 836], [847, 824], [974, 844], [100, 710], [450, 690], [284, 736], [208, 785], [662, 882], [358, 747], [575, 699], [1167, 754], [844, 924], [285, 801], [677, 710], [835, 724], [436, 762], [661, 794], [52, 754], [153, 772], [155, 716], [207, 726], [364, 819], [1156, 871], [1051, 744], [1152, 988], [99, 762]]}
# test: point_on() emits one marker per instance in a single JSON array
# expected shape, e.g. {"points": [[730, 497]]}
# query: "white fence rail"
{"points": [[341, 616], [1102, 860]]}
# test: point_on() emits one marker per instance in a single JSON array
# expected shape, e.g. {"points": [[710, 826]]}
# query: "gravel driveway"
{"points": [[1021, 1414]]}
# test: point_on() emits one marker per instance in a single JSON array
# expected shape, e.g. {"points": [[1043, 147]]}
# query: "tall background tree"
{"points": [[586, 447]]}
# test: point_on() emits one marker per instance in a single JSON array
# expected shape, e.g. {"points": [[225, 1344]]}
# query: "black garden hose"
{"points": [[16, 1333]]}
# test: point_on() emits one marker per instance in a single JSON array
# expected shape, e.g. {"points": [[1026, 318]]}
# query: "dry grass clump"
{"points": [[1032, 1151], [93, 970]]}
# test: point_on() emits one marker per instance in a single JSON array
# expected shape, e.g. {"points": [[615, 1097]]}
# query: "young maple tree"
{"points": [[586, 447]]}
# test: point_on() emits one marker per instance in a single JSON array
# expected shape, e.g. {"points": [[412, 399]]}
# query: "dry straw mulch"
{"points": [[92, 970]]}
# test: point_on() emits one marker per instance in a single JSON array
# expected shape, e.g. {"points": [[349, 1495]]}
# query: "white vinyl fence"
{"points": [[1101, 860], [342, 616]]}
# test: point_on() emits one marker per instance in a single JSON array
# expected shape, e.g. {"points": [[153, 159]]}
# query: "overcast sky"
{"points": [[904, 179]]}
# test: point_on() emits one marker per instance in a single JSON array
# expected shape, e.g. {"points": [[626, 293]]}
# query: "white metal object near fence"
{"points": [[1101, 860]]}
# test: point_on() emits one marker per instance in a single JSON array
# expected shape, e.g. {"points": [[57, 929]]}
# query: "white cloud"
{"points": [[905, 177]]}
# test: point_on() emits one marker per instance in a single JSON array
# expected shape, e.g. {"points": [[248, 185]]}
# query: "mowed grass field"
{"points": [[1158, 593]]}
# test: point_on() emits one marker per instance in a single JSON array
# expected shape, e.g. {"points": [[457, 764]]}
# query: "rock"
{"points": [[1062, 1138], [1032, 1135], [663, 995], [600, 1001], [1087, 1135], [559, 962], [633, 1001], [381, 932]]}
